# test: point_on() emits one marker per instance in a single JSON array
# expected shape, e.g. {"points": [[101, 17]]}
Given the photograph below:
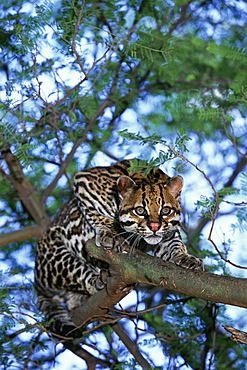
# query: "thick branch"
{"points": [[142, 268], [24, 188], [20, 235], [98, 305], [139, 267]]}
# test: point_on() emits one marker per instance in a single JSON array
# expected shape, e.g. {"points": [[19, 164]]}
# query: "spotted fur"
{"points": [[115, 208]]}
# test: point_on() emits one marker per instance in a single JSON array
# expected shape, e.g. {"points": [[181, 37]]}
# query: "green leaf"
{"points": [[227, 51]]}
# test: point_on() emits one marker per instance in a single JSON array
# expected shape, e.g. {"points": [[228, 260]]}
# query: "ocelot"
{"points": [[115, 208]]}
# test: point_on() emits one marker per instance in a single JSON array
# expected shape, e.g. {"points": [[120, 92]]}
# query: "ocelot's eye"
{"points": [[166, 211], [140, 211]]}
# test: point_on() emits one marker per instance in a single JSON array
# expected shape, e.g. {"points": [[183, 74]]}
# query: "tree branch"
{"points": [[90, 360], [184, 16], [24, 188], [20, 235], [138, 267], [99, 304], [131, 346], [238, 336]]}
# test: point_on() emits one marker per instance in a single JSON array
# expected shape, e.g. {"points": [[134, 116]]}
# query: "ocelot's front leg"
{"points": [[174, 250], [109, 238], [107, 233]]}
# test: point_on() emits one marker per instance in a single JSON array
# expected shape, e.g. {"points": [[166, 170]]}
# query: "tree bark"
{"points": [[138, 267], [24, 188], [21, 235], [238, 336]]}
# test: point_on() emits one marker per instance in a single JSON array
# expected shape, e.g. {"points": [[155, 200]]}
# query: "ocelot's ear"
{"points": [[175, 185], [125, 184]]}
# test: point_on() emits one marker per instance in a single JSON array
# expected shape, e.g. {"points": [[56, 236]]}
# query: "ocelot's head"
{"points": [[149, 210]]}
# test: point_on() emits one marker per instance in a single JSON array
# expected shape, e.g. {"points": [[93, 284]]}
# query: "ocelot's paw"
{"points": [[107, 239], [99, 282], [67, 329], [189, 262], [102, 280]]}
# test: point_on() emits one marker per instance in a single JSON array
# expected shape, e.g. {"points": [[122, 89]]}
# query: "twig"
{"points": [[184, 16], [73, 45], [141, 312], [219, 252], [235, 204], [232, 140]]}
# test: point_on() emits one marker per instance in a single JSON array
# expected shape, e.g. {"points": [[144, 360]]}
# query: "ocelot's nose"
{"points": [[154, 226]]}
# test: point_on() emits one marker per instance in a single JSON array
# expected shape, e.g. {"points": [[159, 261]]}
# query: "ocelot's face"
{"points": [[149, 211]]}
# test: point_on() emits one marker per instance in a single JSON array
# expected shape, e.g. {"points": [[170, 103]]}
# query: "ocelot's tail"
{"points": [[58, 317]]}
